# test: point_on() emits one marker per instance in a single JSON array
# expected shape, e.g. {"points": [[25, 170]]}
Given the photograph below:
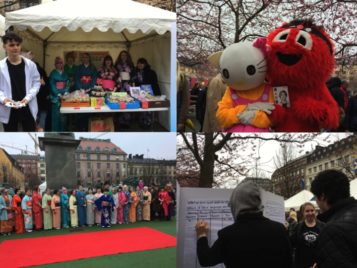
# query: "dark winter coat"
{"points": [[252, 241], [149, 78], [351, 115], [337, 243]]}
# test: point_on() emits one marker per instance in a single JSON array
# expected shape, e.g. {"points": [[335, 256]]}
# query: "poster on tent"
{"points": [[211, 205], [96, 57]]}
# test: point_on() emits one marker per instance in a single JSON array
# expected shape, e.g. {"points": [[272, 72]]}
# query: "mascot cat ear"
{"points": [[215, 58]]}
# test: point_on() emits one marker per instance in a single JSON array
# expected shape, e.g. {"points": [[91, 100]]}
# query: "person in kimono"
{"points": [[133, 205], [97, 212], [146, 204], [47, 213], [126, 70], [139, 207], [73, 209], [127, 204], [164, 199], [108, 72], [37, 208], [114, 219], [59, 85], [90, 207], [122, 200], [86, 74], [26, 205], [81, 206], [56, 210], [19, 217], [5, 208], [105, 204], [64, 208], [70, 69]]}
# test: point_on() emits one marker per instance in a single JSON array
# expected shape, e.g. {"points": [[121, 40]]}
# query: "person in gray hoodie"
{"points": [[251, 241]]}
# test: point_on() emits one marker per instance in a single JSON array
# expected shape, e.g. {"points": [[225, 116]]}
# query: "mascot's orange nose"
{"points": [[288, 59]]}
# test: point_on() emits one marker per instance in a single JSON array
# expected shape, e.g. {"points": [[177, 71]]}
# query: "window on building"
{"points": [[117, 174], [89, 174], [88, 156], [98, 156], [326, 165], [332, 163], [108, 157], [117, 165], [78, 174], [88, 165], [98, 165], [97, 149], [315, 169], [108, 165], [320, 167], [78, 165], [89, 148], [114, 150], [98, 173]]}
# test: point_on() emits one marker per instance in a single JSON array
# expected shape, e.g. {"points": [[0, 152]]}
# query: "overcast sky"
{"points": [[154, 145]]}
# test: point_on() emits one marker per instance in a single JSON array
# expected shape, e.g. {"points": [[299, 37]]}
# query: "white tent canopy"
{"points": [[297, 200], [353, 188], [53, 28]]}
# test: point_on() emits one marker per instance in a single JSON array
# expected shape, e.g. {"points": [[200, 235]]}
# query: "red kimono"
{"points": [[19, 217], [165, 199], [37, 210]]}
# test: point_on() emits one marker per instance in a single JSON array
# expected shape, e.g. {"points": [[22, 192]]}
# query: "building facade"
{"points": [[10, 171], [100, 160], [341, 155], [30, 165], [290, 178], [151, 171], [264, 183]]}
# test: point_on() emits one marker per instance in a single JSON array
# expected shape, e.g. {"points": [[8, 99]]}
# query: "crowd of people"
{"points": [[326, 240], [39, 96], [103, 206]]}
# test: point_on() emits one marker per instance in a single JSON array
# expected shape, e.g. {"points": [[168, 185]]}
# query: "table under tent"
{"points": [[109, 26]]}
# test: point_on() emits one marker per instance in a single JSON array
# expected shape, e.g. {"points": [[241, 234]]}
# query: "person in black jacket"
{"points": [[337, 243], [146, 76], [351, 114], [304, 237], [251, 241]]}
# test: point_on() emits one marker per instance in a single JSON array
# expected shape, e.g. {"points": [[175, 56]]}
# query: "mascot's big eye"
{"points": [[304, 39], [225, 73], [282, 36], [251, 70]]}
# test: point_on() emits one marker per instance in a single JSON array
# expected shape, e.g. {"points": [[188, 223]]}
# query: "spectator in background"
{"points": [[304, 237], [251, 241], [215, 92], [334, 85], [351, 113], [337, 243], [183, 99], [201, 104]]}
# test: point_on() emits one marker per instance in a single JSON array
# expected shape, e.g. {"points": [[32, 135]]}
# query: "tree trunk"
{"points": [[207, 168]]}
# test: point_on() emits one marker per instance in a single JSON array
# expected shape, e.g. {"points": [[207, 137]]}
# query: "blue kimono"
{"points": [[105, 204], [59, 85], [64, 210], [26, 205], [127, 206], [85, 77], [3, 211], [81, 207]]}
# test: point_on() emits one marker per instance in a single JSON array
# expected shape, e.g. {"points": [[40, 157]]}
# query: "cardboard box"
{"points": [[101, 124]]}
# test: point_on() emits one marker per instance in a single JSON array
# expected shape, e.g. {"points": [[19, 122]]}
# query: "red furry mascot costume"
{"points": [[300, 56]]}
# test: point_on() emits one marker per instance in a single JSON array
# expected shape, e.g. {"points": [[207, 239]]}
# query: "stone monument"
{"points": [[60, 159]]}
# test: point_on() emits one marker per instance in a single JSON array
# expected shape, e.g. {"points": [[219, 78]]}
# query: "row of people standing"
{"points": [[119, 76]]}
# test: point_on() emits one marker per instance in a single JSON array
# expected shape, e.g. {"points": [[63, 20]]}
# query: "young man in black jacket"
{"points": [[337, 243]]}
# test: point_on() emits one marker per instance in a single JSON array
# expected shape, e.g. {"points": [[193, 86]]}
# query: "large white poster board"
{"points": [[211, 205]]}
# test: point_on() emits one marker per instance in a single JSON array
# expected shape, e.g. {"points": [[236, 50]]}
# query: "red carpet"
{"points": [[59, 248]]}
